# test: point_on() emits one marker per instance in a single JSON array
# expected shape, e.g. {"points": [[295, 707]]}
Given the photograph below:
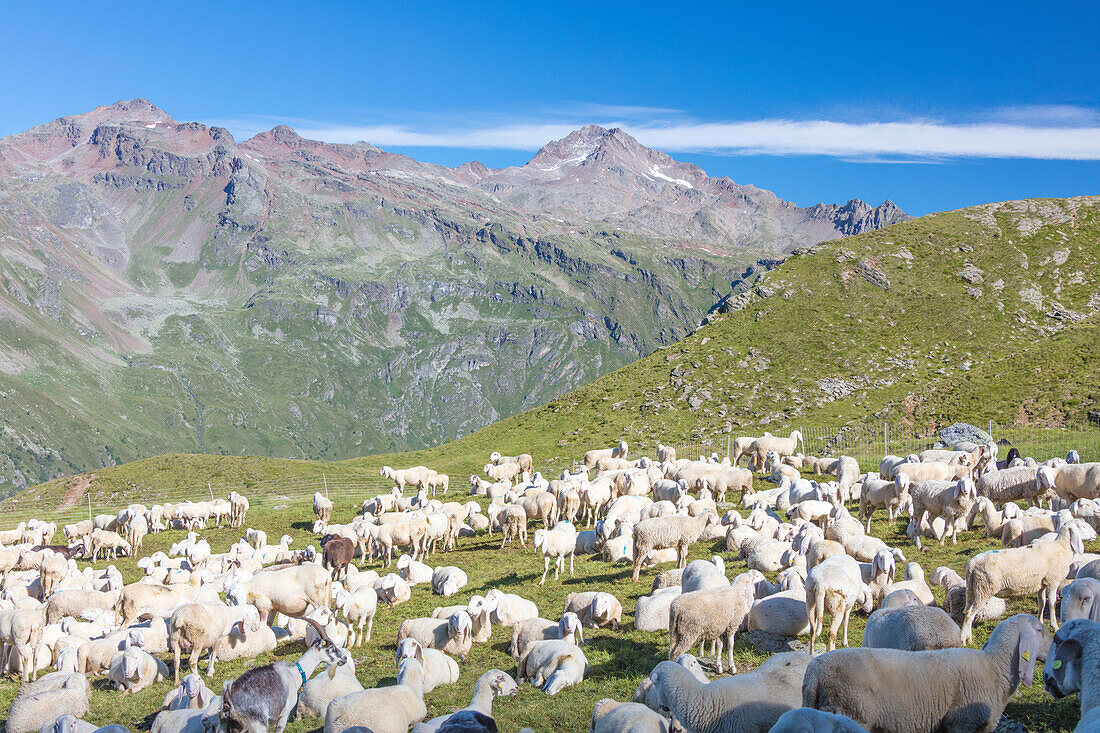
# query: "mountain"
{"points": [[164, 287], [607, 175]]}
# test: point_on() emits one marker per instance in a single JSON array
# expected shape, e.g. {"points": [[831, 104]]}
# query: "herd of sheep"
{"points": [[809, 560]]}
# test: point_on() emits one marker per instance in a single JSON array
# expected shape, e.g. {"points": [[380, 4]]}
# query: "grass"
{"points": [[617, 660]]}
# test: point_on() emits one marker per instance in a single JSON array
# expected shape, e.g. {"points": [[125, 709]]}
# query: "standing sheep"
{"points": [[709, 615], [322, 507], [835, 586], [558, 543], [665, 532]]}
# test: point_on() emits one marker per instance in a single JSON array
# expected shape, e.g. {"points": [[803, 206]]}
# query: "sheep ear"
{"points": [[1076, 545], [1027, 649]]}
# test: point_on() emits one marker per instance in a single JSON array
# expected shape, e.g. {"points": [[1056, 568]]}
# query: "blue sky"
{"points": [[934, 105]]}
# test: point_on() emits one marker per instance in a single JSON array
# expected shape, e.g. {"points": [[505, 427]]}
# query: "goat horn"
{"points": [[320, 629]]}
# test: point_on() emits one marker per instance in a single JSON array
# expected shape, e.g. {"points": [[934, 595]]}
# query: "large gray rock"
{"points": [[960, 432]]}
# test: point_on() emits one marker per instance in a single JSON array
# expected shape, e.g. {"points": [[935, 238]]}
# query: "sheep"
{"points": [[38, 703], [835, 586], [292, 591], [905, 622], [403, 477], [945, 689], [1081, 599], [200, 626], [993, 520], [482, 628], [1025, 529], [452, 635], [439, 669], [322, 689], [134, 669], [552, 665], [191, 694], [609, 716], [595, 609], [709, 615], [245, 642], [188, 720], [513, 525], [448, 580], [948, 499], [524, 460], [1071, 481], [769, 556], [558, 543], [390, 709], [881, 493], [107, 542], [21, 630], [750, 701], [808, 720], [593, 456], [650, 695], [1071, 667], [664, 532], [540, 505], [493, 683], [503, 472], [889, 464], [505, 609], [914, 582], [934, 471], [781, 446], [1013, 484], [73, 602], [568, 628], [337, 554], [1039, 568]]}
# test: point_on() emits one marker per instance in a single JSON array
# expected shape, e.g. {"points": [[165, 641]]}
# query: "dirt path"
{"points": [[76, 491]]}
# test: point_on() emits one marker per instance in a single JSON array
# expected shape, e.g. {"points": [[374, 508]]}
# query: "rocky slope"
{"points": [[166, 288]]}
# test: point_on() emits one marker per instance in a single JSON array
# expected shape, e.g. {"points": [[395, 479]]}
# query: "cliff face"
{"points": [[166, 288]]}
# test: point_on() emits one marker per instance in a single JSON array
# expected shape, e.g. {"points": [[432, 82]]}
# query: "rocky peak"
{"points": [[857, 216]]}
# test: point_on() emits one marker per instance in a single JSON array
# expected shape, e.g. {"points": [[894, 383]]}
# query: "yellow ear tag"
{"points": [[1026, 656], [1057, 664]]}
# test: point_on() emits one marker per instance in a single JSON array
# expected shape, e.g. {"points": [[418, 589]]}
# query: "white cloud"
{"points": [[1052, 132]]}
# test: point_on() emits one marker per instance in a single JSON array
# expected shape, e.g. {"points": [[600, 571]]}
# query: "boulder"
{"points": [[962, 432]]}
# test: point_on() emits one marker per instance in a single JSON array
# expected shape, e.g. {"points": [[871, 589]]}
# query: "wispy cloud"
{"points": [[1052, 132]]}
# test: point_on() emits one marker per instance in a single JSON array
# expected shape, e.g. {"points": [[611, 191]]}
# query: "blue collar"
{"points": [[301, 672]]}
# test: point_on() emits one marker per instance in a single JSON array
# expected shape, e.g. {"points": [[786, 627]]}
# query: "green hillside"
{"points": [[881, 327]]}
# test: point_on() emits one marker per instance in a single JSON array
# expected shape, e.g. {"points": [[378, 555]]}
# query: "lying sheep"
{"points": [[909, 625], [493, 683], [390, 709], [552, 665], [1081, 599], [954, 597], [915, 692], [808, 720], [609, 716], [649, 694], [448, 580], [135, 669], [568, 628], [506, 609], [595, 609], [322, 689], [40, 702], [751, 701], [452, 635], [651, 613], [438, 668], [782, 613], [191, 694]]}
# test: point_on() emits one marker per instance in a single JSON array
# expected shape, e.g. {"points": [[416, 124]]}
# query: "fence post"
{"points": [[211, 490], [991, 430], [728, 445], [89, 507], [885, 440], [326, 484]]}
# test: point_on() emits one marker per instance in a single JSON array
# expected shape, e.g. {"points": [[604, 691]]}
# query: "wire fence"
{"points": [[866, 443]]}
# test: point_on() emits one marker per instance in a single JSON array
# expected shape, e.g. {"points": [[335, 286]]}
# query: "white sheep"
{"points": [[835, 586], [493, 683], [191, 694], [905, 622], [664, 532], [42, 701], [358, 608], [453, 635], [134, 669], [1020, 571], [651, 612], [552, 665], [448, 580], [322, 689], [392, 709], [413, 571], [595, 609], [1071, 668], [710, 615], [950, 500], [751, 701], [568, 628], [945, 689], [609, 716], [1071, 481], [802, 720], [505, 609], [439, 669], [557, 543]]}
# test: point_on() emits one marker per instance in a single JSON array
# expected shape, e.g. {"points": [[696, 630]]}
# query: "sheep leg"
{"points": [[834, 627], [847, 615], [193, 660], [717, 646], [570, 564], [210, 666], [546, 569], [729, 650], [176, 658]]}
